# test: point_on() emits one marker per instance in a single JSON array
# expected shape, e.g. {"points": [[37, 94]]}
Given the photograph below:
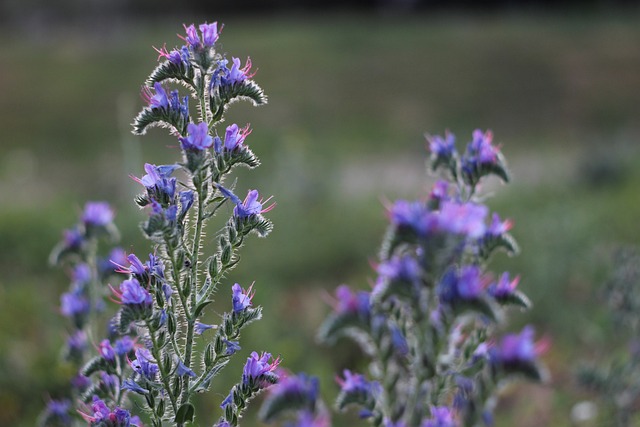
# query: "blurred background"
{"points": [[353, 86]]}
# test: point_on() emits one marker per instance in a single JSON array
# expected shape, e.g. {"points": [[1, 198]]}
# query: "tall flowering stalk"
{"points": [[152, 349], [428, 323]]}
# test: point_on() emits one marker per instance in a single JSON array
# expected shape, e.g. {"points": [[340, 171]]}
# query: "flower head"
{"points": [[498, 227], [133, 294], [442, 147], [348, 301], [106, 351], [198, 138], [356, 383], [504, 286], [241, 299], [210, 33], [259, 370], [199, 328], [74, 304], [441, 416], [234, 137], [517, 349], [192, 38], [464, 284], [252, 205], [182, 369], [98, 214], [144, 364]]}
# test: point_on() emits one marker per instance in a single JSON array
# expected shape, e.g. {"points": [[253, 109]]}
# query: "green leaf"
{"points": [[185, 413], [338, 324], [93, 365], [516, 298], [206, 381]]}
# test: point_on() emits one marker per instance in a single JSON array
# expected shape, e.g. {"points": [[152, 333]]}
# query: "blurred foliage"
{"points": [[350, 97]]}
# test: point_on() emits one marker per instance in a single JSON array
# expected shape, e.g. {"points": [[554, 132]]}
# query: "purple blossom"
{"points": [[307, 418], [167, 291], [464, 284], [348, 301], [176, 56], [102, 415], [59, 409], [144, 364], [198, 138], [158, 183], [234, 136], [73, 304], [158, 99], [192, 38], [241, 299], [440, 191], [498, 227], [515, 349], [441, 416], [109, 381], [257, 366], [186, 201], [97, 214], [238, 74], [182, 369], [356, 383], [210, 33], [401, 269], [80, 382], [405, 214], [232, 347], [504, 286], [81, 274], [442, 147], [480, 148], [462, 218], [116, 257], [77, 342], [297, 388], [199, 328], [106, 351], [124, 345], [133, 294], [73, 238], [251, 205], [133, 386]]}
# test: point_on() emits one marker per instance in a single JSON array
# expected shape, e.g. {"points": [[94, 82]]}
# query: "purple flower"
{"points": [[131, 385], [73, 238], [101, 415], [440, 191], [356, 383], [192, 36], [405, 214], [442, 147], [199, 328], [176, 57], [234, 136], [77, 342], [241, 299], [80, 382], [59, 409], [480, 148], [124, 345], [133, 294], [297, 388], [258, 367], [516, 349], [98, 214], [186, 201], [157, 181], [73, 304], [182, 369], [307, 418], [464, 284], [504, 286], [251, 205], [237, 74], [498, 227], [81, 274], [158, 99], [441, 416], [144, 364], [462, 218], [198, 138], [106, 351], [109, 381], [232, 347], [110, 264], [210, 33], [348, 301], [400, 269]]}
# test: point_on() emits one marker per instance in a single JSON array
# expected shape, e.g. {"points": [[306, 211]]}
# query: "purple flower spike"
{"points": [[198, 138], [241, 299], [210, 33], [98, 214]]}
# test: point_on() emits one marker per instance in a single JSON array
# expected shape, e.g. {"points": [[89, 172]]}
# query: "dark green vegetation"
{"points": [[350, 98]]}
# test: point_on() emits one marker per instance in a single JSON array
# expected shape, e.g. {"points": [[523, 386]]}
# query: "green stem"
{"points": [[155, 350]]}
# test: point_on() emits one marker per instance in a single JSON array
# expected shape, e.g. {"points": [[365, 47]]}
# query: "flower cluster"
{"points": [[151, 349], [426, 324]]}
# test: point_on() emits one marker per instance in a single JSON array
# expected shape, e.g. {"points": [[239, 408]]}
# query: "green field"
{"points": [[350, 99]]}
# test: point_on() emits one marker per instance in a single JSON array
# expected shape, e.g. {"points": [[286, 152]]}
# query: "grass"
{"points": [[350, 97]]}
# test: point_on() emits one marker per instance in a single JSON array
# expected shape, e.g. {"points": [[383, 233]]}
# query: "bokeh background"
{"points": [[353, 87]]}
